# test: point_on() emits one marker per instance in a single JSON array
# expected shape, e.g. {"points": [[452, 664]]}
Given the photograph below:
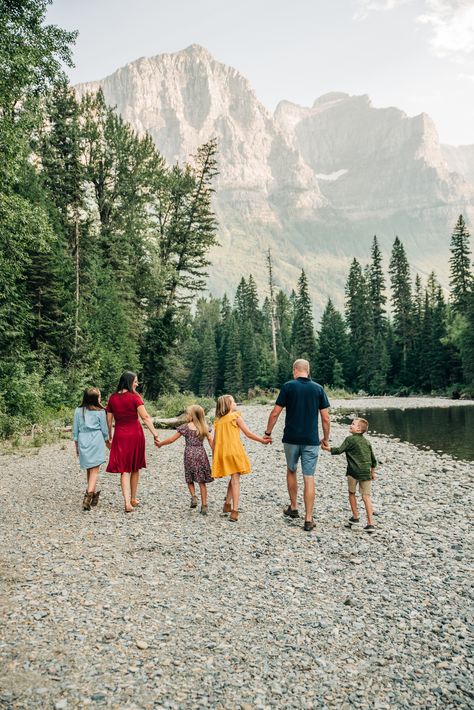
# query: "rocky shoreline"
{"points": [[167, 608]]}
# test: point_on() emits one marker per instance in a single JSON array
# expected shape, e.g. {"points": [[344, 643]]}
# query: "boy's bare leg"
{"points": [[292, 484], [368, 508], [203, 491], [353, 503]]}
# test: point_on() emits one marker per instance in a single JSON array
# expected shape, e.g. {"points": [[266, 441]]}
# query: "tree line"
{"points": [[104, 254], [412, 339], [102, 244]]}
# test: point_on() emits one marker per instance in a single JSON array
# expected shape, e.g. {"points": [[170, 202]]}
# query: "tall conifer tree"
{"points": [[461, 281]]}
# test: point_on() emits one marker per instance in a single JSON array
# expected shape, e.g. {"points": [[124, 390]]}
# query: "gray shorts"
{"points": [[308, 453]]}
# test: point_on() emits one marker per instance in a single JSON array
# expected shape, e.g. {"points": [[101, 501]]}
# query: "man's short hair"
{"points": [[363, 424], [301, 365]]}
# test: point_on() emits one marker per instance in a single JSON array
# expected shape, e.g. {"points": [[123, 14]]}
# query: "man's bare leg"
{"points": [[292, 484], [309, 495]]}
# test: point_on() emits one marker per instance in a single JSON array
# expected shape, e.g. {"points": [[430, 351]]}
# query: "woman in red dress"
{"points": [[127, 454]]}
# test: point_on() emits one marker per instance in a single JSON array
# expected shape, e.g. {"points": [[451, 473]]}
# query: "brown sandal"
{"points": [[234, 516], [135, 502], [129, 510], [227, 508]]}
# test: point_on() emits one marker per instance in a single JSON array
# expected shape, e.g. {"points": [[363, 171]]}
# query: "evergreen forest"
{"points": [[104, 254]]}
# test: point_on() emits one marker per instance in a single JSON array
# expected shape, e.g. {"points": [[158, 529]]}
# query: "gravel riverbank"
{"points": [[167, 608]]}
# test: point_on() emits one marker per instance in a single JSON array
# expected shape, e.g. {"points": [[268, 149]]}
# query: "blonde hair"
{"points": [[197, 416], [223, 405], [301, 365], [363, 424]]}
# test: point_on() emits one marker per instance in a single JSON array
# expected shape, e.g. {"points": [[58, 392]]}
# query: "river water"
{"points": [[448, 430]]}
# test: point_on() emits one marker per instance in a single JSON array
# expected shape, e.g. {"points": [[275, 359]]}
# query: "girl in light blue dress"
{"points": [[91, 436]]}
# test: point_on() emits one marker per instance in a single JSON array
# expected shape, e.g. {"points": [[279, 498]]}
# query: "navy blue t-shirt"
{"points": [[302, 399]]}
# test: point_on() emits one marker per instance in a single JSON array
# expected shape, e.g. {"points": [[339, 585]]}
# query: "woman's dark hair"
{"points": [[90, 398], [126, 381]]}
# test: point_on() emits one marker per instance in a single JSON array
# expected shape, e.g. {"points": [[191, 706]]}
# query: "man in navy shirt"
{"points": [[304, 400]]}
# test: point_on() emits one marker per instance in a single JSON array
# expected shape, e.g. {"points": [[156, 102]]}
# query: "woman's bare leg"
{"points": [[235, 483], [134, 478], [203, 491], [191, 489], [92, 474], [125, 483]]}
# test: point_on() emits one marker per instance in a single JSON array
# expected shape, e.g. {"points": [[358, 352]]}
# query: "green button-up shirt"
{"points": [[359, 455]]}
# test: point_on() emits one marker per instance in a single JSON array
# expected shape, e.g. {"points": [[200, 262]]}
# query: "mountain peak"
{"points": [[195, 50]]}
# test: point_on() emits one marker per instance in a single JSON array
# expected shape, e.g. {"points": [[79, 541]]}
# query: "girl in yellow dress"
{"points": [[228, 456]]}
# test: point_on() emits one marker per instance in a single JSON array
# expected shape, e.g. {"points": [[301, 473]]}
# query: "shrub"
{"points": [[172, 405]]}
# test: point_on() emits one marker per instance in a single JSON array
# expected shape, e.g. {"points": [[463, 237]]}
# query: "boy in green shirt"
{"points": [[361, 465]]}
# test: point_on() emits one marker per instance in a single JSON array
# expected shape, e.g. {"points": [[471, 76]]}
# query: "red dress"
{"points": [[128, 444]]}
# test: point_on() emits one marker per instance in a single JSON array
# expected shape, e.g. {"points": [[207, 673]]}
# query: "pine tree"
{"points": [[284, 319], [402, 312], [337, 380], [360, 323], [461, 281], [233, 358], [240, 299], [249, 355], [376, 282], [303, 338], [467, 342], [332, 345], [439, 353], [209, 363]]}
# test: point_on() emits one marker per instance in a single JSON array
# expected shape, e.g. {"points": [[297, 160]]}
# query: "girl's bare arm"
{"points": [[170, 439], [210, 441], [249, 434]]}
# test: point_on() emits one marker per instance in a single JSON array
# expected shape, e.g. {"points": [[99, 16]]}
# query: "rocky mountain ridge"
{"points": [[313, 183]]}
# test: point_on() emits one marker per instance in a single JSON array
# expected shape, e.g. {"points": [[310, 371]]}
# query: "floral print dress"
{"points": [[196, 463]]}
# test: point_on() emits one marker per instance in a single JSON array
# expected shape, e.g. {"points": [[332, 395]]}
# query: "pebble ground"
{"points": [[168, 608]]}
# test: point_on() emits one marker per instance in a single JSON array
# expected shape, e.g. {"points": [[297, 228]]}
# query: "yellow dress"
{"points": [[229, 454]]}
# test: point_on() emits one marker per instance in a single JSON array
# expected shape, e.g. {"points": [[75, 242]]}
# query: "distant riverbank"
{"points": [[387, 402]]}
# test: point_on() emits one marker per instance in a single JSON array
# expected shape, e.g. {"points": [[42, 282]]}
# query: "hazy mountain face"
{"points": [[460, 159], [315, 184]]}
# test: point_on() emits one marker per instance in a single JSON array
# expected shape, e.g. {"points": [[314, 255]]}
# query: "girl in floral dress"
{"points": [[196, 463]]}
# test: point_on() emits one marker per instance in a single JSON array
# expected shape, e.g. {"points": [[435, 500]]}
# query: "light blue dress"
{"points": [[90, 431]]}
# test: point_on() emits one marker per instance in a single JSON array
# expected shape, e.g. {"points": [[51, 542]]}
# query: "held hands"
{"points": [[157, 441], [372, 474], [325, 445], [108, 444], [266, 440]]}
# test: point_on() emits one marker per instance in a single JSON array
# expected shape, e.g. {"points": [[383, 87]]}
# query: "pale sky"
{"points": [[417, 55]]}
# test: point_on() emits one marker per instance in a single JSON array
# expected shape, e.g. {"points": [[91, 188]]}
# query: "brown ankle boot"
{"points": [[95, 499], [87, 501], [234, 516], [227, 507]]}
